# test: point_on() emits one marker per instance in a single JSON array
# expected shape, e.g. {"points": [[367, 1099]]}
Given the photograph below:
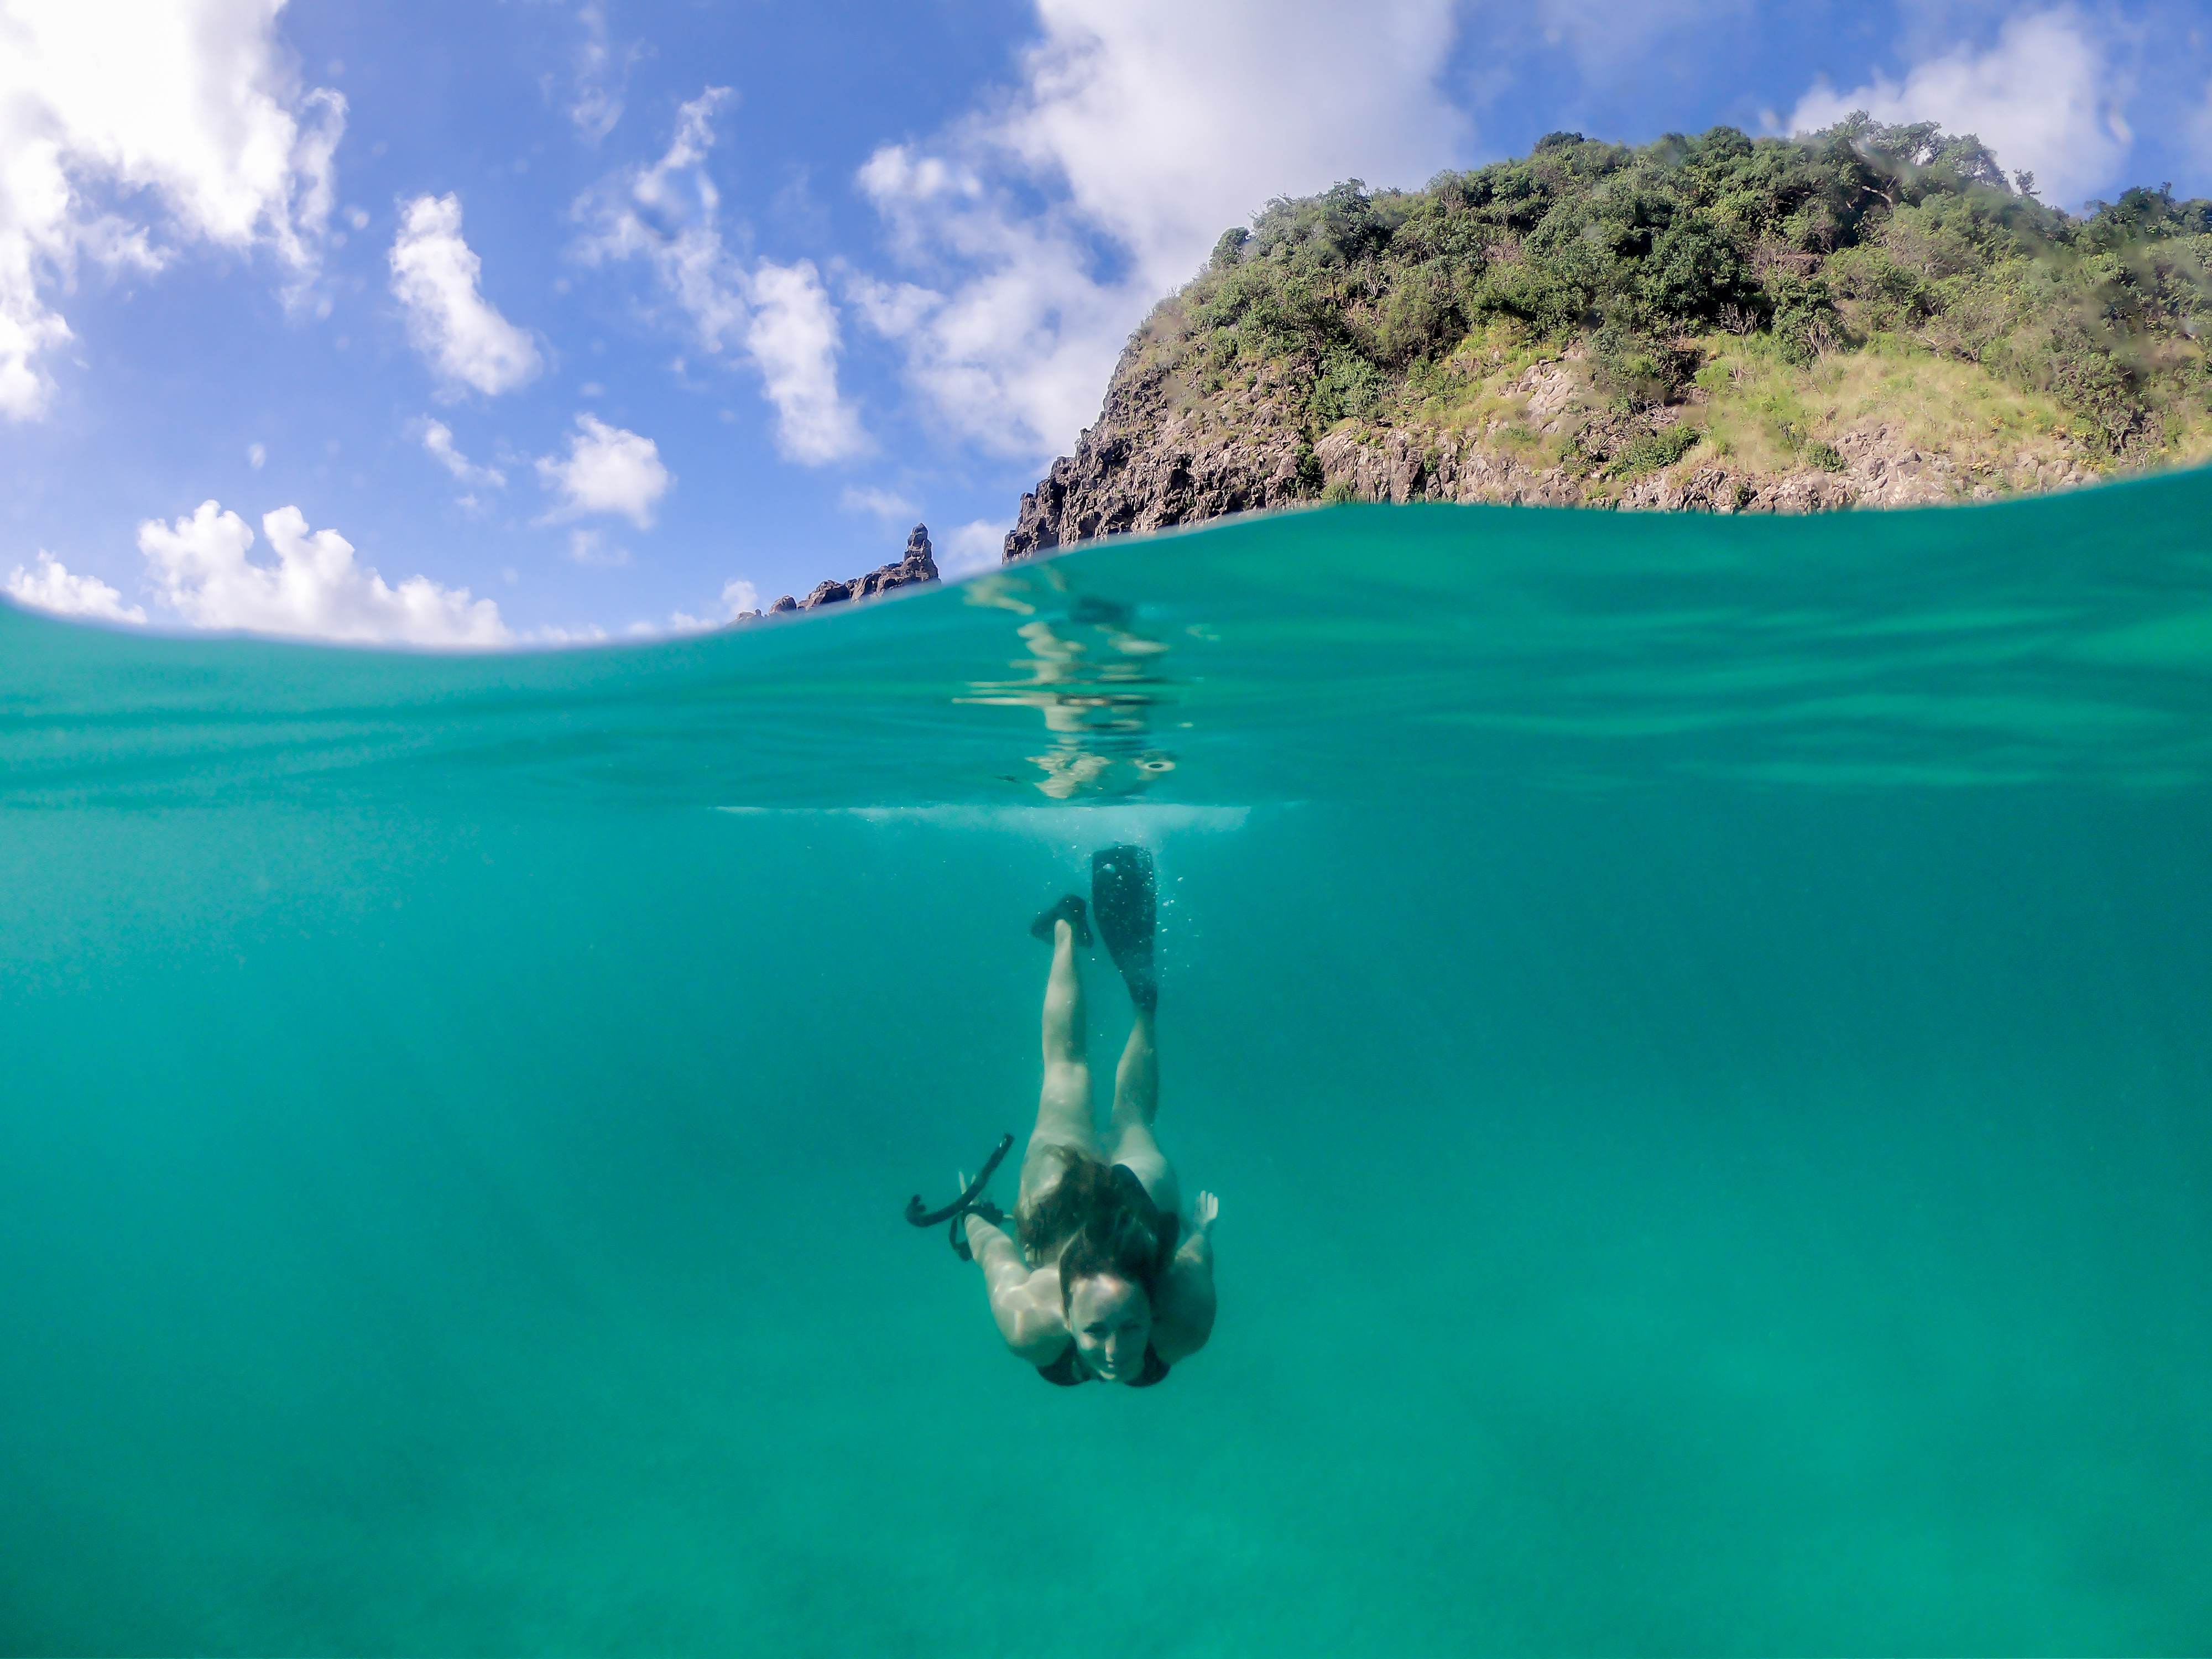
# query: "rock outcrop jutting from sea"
{"points": [[1873, 317], [917, 564]]}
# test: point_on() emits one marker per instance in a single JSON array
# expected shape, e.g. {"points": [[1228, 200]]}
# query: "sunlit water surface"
{"points": [[1699, 1029]]}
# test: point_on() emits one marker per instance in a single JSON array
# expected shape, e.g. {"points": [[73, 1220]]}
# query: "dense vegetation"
{"points": [[1370, 305]]}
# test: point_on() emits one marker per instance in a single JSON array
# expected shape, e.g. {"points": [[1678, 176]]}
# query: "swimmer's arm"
{"points": [[1032, 1326], [1186, 1302]]}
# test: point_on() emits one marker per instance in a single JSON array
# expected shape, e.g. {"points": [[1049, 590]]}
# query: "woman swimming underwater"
{"points": [[1105, 1282]]}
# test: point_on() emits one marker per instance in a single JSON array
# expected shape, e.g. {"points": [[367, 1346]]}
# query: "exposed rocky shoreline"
{"points": [[1158, 458]]}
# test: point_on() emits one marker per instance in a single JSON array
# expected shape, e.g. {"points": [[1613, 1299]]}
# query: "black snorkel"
{"points": [[970, 1202]]}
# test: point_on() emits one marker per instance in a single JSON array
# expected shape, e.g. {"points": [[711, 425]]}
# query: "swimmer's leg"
{"points": [[1064, 1111], [1136, 1103]]}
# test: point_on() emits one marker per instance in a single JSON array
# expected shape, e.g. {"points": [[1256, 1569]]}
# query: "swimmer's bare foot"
{"points": [[1071, 910]]}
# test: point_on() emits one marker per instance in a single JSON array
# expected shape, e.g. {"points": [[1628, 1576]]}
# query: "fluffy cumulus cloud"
{"points": [[778, 316], [793, 340], [606, 469], [314, 591], [1039, 232], [51, 586], [2045, 97], [129, 132], [434, 275]]}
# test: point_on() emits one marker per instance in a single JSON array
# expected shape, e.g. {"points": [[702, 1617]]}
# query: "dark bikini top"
{"points": [[1067, 1372]]}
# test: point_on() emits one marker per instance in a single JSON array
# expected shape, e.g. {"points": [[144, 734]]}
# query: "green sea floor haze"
{"points": [[1699, 1027]]}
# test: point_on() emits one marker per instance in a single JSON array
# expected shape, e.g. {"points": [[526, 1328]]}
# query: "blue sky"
{"points": [[620, 317]]}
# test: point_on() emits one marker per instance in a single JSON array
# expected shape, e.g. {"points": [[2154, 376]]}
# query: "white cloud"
{"points": [[891, 308], [607, 470], [51, 588], [881, 502], [670, 214], [737, 596], [256, 455], [438, 439], [314, 591], [2043, 98], [1149, 126], [115, 112], [602, 77], [434, 275], [793, 339], [980, 545]]}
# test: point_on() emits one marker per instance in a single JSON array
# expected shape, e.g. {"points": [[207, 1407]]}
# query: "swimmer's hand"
{"points": [[1183, 1313], [982, 1198], [1196, 1249]]}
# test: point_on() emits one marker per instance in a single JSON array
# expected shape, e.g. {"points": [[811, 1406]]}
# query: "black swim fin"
{"points": [[1071, 910], [1124, 899]]}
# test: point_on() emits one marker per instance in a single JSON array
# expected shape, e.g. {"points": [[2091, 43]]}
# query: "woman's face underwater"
{"points": [[1111, 1319]]}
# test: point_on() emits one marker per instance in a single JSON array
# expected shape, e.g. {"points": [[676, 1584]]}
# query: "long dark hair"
{"points": [[1102, 1221]]}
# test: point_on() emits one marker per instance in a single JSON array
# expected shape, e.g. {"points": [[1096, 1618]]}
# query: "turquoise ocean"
{"points": [[1701, 1030]]}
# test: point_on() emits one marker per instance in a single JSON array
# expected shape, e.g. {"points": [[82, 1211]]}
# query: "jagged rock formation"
{"points": [[917, 564]]}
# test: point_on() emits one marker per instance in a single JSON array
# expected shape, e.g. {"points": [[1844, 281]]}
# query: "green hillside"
{"points": [[1770, 291]]}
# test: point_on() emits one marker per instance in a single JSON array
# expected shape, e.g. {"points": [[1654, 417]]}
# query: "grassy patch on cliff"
{"points": [[1775, 414], [1770, 297]]}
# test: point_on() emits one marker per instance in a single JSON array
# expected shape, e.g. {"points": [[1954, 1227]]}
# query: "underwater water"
{"points": [[1699, 1028]]}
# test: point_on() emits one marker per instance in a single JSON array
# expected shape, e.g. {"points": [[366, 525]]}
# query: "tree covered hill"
{"points": [[1872, 314]]}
